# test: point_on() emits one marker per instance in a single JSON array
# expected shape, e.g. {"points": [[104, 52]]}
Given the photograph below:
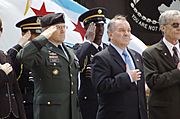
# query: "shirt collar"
{"points": [[170, 46], [94, 44], [119, 50]]}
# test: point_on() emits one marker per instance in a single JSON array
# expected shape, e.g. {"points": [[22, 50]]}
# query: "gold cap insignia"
{"points": [[38, 20], [99, 11]]}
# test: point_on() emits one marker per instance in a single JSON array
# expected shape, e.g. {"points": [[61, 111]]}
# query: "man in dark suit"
{"points": [[55, 71], [93, 21], [11, 106], [162, 69], [24, 75], [117, 74]]}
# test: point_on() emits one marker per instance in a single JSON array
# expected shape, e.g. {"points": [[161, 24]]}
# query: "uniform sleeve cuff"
{"points": [[17, 48], [40, 41]]}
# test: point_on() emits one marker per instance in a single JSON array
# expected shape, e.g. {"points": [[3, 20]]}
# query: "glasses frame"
{"points": [[174, 25]]}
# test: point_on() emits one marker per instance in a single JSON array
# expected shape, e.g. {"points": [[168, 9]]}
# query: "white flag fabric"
{"points": [[12, 11]]}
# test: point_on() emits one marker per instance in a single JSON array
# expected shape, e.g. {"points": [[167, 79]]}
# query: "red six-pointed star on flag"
{"points": [[42, 10], [79, 29]]}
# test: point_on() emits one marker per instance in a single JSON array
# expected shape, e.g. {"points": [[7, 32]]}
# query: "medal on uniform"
{"points": [[55, 71]]}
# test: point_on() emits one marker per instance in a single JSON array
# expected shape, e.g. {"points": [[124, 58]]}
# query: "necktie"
{"points": [[128, 60], [175, 55], [99, 48], [62, 49]]}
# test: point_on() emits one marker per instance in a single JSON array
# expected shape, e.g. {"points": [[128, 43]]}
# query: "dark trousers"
{"points": [[11, 116], [29, 110], [88, 108]]}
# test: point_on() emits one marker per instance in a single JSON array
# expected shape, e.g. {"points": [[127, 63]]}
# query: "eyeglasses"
{"points": [[62, 26], [175, 25]]}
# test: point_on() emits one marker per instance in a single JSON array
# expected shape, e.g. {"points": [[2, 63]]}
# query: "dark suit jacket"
{"points": [[87, 93], [119, 98], [163, 78], [10, 94]]}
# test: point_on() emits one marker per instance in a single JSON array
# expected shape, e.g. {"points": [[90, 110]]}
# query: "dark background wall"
{"points": [[142, 14], [113, 6]]}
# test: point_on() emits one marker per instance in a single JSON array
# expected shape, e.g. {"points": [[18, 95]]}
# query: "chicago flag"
{"points": [[13, 11]]}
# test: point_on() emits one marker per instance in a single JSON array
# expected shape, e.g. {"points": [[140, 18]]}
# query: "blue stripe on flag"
{"points": [[71, 5]]}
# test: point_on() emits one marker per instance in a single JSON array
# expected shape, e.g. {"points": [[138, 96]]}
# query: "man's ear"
{"points": [[1, 29], [162, 27], [109, 34]]}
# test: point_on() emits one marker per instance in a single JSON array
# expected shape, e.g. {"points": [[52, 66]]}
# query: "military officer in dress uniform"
{"points": [[55, 71], [93, 21], [25, 79]]}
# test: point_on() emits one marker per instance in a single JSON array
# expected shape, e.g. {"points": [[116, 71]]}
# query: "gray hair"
{"points": [[168, 16], [111, 24]]}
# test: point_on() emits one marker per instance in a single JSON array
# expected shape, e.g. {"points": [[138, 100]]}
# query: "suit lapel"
{"points": [[104, 45], [135, 58], [165, 54], [117, 57], [69, 53]]}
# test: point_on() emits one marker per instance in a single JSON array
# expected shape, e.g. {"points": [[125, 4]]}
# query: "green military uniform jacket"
{"points": [[55, 79]]}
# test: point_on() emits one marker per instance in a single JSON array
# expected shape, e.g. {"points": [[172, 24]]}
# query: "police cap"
{"points": [[52, 19], [30, 23], [96, 15]]}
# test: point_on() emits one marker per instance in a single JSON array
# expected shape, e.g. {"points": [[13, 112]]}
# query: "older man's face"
{"points": [[172, 30], [120, 34], [59, 35]]}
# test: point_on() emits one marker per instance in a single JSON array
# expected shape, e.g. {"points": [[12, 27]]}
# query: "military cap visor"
{"points": [[34, 31], [31, 23], [96, 15]]}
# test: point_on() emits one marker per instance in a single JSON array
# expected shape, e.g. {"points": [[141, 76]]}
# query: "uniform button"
{"points": [[49, 102], [72, 92], [85, 97], [72, 83], [71, 75], [24, 101]]}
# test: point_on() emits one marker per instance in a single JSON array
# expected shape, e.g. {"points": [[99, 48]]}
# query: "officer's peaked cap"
{"points": [[31, 23], [96, 15]]}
